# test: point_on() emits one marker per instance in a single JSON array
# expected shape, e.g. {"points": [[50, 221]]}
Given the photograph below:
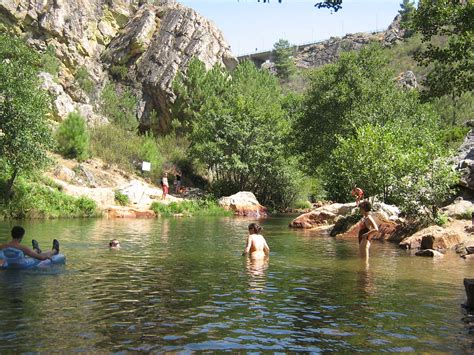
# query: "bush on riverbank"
{"points": [[204, 207], [43, 199]]}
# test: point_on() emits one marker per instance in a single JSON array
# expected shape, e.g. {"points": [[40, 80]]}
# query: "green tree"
{"points": [[453, 60], [239, 131], [73, 137], [357, 81], [283, 58], [26, 135], [407, 10]]}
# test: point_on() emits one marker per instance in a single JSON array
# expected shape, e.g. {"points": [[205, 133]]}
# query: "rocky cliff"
{"points": [[328, 51], [138, 44]]}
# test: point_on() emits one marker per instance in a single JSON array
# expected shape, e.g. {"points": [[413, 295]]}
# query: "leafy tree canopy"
{"points": [[26, 135], [453, 71], [283, 58]]}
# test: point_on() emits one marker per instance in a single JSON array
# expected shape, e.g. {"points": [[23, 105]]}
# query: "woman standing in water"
{"points": [[257, 246], [368, 228]]}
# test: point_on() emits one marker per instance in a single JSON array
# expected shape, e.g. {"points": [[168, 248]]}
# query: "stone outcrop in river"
{"points": [[141, 45], [243, 203]]}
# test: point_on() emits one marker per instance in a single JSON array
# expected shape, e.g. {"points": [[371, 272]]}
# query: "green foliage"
{"points": [[34, 199], [119, 71], [26, 135], [453, 72], [466, 215], [117, 146], [119, 106], [73, 137], [407, 10], [358, 82], [283, 57], [84, 80], [203, 207], [239, 130], [441, 219], [302, 205], [121, 198], [49, 62]]}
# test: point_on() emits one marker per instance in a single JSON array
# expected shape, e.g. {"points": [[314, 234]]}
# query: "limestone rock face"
{"points": [[465, 161], [243, 203], [145, 44]]}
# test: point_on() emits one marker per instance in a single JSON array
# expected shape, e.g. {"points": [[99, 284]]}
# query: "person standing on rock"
{"points": [[368, 228], [358, 193], [164, 185]]}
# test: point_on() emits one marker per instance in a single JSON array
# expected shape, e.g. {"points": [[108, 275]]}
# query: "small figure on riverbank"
{"points": [[368, 228], [164, 185], [257, 246], [114, 244], [358, 193], [17, 236], [177, 182]]}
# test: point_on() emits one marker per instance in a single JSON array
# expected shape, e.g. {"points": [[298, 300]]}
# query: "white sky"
{"points": [[249, 25]]}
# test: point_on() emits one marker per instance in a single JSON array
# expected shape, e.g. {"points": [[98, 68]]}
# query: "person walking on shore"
{"points": [[164, 185]]}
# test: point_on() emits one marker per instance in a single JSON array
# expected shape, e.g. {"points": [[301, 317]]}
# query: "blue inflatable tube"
{"points": [[12, 258]]}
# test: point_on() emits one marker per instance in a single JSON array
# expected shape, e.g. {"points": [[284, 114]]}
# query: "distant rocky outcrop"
{"points": [[326, 52], [147, 44]]}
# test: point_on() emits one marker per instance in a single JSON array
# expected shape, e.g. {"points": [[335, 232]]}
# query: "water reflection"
{"points": [[178, 285]]}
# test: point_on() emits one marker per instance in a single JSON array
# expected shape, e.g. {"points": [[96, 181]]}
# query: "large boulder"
{"points": [[459, 208], [243, 203], [142, 194], [433, 237], [313, 219]]}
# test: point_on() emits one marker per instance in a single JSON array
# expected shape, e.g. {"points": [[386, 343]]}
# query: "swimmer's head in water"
{"points": [[114, 243], [365, 206], [254, 228]]}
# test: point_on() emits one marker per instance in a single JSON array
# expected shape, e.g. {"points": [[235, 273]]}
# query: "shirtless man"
{"points": [[257, 246], [17, 236]]}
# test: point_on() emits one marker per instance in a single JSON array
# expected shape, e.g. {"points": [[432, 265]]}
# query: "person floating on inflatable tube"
{"points": [[17, 235]]}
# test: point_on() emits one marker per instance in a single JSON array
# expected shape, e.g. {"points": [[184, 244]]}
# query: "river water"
{"points": [[180, 284]]}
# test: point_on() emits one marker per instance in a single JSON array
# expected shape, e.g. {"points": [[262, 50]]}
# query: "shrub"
{"points": [[49, 62], [441, 219], [33, 199], [119, 106], [121, 198], [466, 215], [119, 71], [73, 137], [84, 80], [204, 207]]}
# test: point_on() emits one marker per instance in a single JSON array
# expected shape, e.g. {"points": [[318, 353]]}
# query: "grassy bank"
{"points": [[190, 208], [42, 198]]}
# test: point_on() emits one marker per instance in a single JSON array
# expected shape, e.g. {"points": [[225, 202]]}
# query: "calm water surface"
{"points": [[181, 285]]}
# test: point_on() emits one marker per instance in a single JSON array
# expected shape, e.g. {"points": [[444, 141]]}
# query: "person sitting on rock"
{"points": [[368, 228], [257, 246], [114, 244], [17, 235]]}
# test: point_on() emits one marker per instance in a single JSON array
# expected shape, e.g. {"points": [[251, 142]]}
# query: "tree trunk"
{"points": [[9, 186]]}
